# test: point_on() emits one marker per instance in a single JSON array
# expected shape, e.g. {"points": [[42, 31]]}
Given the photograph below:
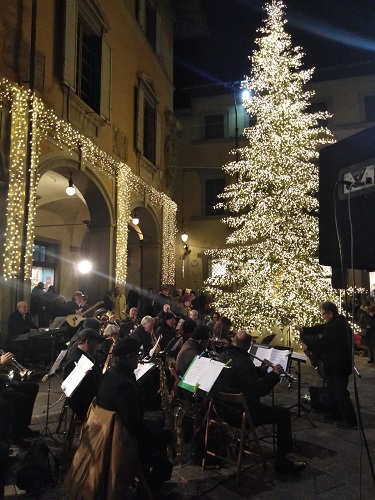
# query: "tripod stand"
{"points": [[299, 358], [52, 371]]}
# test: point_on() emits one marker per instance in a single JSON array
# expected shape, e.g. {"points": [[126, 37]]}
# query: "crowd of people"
{"points": [[178, 327]]}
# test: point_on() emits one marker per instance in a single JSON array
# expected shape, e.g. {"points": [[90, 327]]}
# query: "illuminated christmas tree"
{"points": [[269, 270]]}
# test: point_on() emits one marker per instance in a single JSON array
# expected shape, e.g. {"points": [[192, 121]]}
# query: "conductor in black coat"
{"points": [[333, 349], [254, 382]]}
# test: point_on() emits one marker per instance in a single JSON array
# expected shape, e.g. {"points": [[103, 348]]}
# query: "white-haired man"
{"points": [[144, 334]]}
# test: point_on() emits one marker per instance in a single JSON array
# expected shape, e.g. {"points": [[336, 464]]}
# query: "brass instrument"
{"points": [[108, 361], [13, 368]]}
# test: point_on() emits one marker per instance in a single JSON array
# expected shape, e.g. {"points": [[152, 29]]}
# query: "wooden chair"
{"points": [[241, 433]]}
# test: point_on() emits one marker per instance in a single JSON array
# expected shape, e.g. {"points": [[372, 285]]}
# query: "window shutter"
{"points": [[140, 118], [105, 82], [71, 16], [158, 140], [158, 41]]}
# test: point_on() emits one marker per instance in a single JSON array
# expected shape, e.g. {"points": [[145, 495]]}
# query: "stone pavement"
{"points": [[338, 462]]}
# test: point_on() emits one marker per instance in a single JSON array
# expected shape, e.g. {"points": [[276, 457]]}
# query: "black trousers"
{"points": [[22, 397], [264, 414], [337, 386]]}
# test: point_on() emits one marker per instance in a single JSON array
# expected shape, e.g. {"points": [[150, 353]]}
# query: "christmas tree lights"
{"points": [[271, 274]]}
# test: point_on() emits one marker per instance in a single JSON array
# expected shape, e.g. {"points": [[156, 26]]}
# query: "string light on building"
{"points": [[46, 125]]}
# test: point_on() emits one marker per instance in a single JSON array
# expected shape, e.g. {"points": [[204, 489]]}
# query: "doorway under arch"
{"points": [[77, 227]]}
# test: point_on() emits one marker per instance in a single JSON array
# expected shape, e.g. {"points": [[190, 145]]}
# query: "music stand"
{"points": [[300, 358], [53, 334]]}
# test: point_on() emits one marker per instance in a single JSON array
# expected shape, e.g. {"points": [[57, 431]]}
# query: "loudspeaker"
{"points": [[347, 184]]}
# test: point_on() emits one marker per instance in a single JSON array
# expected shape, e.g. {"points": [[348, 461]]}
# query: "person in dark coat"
{"points": [[119, 392], [143, 334], [334, 350], [19, 322], [254, 382], [195, 346], [167, 330], [81, 398]]}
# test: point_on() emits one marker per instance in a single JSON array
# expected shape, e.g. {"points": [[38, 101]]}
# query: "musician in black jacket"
{"points": [[254, 382], [86, 345], [119, 392], [333, 347]]}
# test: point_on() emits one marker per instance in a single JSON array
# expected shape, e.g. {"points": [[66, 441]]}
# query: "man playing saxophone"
{"points": [[17, 402]]}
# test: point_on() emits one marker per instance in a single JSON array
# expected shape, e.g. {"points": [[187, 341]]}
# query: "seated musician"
{"points": [[167, 330], [144, 335], [16, 405], [254, 383], [129, 323], [77, 304], [19, 322], [86, 345], [119, 392], [195, 346]]}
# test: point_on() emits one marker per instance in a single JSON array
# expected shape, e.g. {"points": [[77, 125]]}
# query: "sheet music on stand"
{"points": [[142, 369], [202, 374], [55, 365], [75, 377], [275, 355]]}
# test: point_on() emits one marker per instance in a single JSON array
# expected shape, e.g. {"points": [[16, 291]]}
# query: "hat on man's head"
{"points": [[169, 315], [202, 332], [78, 294], [125, 347], [88, 334], [41, 284], [92, 323]]}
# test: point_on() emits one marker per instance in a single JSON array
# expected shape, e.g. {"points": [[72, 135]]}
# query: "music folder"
{"points": [[203, 374]]}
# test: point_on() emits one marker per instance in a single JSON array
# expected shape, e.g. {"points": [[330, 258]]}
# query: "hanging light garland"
{"points": [[47, 125]]}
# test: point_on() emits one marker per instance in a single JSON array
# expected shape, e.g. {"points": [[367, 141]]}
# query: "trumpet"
{"points": [[14, 368]]}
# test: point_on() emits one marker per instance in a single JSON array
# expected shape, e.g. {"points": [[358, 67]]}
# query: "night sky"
{"points": [[331, 33]]}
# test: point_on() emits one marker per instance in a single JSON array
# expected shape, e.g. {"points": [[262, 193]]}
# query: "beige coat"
{"points": [[106, 460]]}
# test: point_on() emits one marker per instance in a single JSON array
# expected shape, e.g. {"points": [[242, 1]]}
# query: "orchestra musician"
{"points": [[19, 322], [86, 345], [254, 383], [333, 341], [144, 334], [119, 392], [195, 346], [129, 323], [16, 405]]}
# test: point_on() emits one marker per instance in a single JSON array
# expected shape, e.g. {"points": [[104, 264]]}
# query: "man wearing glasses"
{"points": [[333, 346]]}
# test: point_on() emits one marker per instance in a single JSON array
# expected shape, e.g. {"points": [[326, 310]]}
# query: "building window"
{"points": [[213, 187], [150, 21], [44, 264], [148, 121], [214, 127], [86, 58], [370, 108], [88, 67]]}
